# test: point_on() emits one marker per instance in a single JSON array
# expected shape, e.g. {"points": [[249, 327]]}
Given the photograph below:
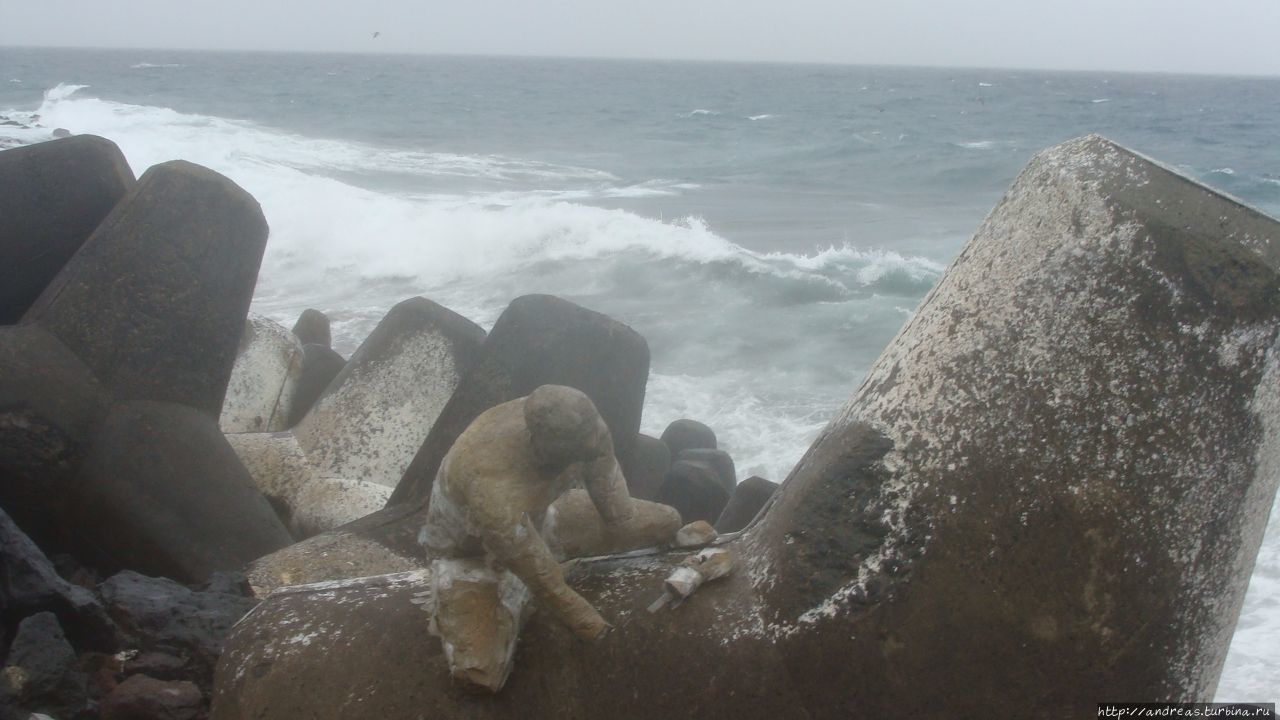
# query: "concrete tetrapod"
{"points": [[52, 196], [342, 460], [1048, 492], [538, 340], [264, 379], [146, 313]]}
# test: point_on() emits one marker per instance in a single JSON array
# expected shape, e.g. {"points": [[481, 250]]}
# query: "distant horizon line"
{"points": [[721, 61]]}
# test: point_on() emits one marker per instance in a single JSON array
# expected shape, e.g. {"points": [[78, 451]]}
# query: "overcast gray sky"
{"points": [[1225, 36]]}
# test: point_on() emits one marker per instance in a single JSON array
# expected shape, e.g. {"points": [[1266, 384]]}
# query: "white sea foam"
{"points": [[1099, 101], [1252, 670], [701, 111], [766, 116], [978, 145], [147, 65], [764, 437]]}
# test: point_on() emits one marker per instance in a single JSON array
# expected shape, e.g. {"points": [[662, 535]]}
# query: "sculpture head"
{"points": [[564, 425]]}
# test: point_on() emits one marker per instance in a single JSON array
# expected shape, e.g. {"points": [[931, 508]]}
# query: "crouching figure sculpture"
{"points": [[490, 504]]}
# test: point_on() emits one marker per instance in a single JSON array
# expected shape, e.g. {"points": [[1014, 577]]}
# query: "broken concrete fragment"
{"points": [[264, 379], [698, 532]]}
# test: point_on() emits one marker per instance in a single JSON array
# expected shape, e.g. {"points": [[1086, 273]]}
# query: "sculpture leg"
{"points": [[477, 616]]}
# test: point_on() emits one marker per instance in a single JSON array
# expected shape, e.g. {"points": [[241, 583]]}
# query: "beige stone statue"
{"points": [[492, 499]]}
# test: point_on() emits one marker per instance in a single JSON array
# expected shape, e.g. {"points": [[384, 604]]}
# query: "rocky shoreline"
{"points": [[1067, 454]]}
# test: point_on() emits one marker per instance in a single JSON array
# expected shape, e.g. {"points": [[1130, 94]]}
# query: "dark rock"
{"points": [[52, 196], [746, 501], [144, 698], [542, 340], [162, 492], [1081, 429], [718, 460], [41, 673], [695, 489], [159, 665], [684, 435], [312, 327], [29, 584], [230, 582], [102, 670], [59, 133], [189, 241], [320, 365], [650, 461], [162, 616]]}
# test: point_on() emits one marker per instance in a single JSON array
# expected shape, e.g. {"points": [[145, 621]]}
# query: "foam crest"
{"points": [[151, 134], [765, 435]]}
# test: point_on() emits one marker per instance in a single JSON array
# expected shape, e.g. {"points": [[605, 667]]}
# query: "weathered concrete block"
{"points": [[312, 327], [542, 340], [162, 493], [573, 527], [719, 461], [49, 404], [327, 557], [264, 380], [650, 461], [189, 241], [376, 414], [306, 502], [695, 489], [746, 501], [277, 465], [1058, 473], [52, 196], [320, 365], [1083, 417], [686, 434]]}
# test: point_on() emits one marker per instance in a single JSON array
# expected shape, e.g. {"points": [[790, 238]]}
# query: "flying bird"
{"points": [[376, 34]]}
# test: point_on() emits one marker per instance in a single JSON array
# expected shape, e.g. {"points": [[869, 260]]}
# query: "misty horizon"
{"points": [[638, 58], [1233, 37]]}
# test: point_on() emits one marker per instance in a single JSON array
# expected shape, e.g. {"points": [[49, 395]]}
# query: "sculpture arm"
{"points": [[521, 549]]}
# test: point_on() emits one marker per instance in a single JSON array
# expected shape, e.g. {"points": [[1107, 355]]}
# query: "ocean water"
{"points": [[767, 228]]}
